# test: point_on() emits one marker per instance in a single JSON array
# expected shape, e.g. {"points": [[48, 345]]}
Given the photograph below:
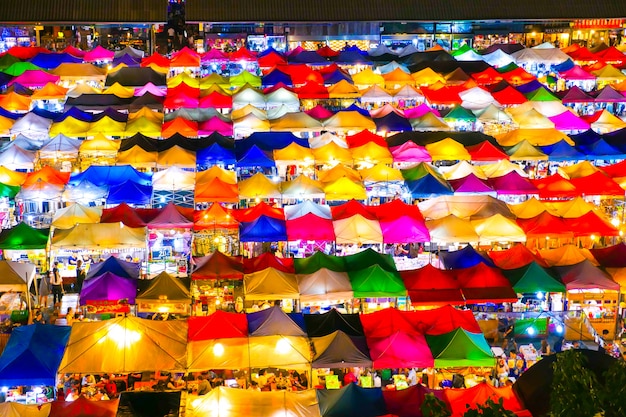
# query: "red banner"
{"points": [[106, 306], [598, 23]]}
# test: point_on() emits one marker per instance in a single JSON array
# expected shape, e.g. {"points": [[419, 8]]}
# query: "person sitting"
{"points": [[100, 395], [69, 317], [203, 385], [73, 395], [502, 372], [38, 318], [109, 386]]}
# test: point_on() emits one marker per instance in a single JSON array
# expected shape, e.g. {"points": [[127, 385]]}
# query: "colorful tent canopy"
{"points": [[460, 348]]}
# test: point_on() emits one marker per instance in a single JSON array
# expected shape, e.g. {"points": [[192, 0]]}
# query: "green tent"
{"points": [[533, 278], [367, 258], [420, 171], [9, 191], [507, 68], [23, 237], [7, 60], [463, 49], [318, 261], [460, 348], [459, 113], [374, 281], [18, 68], [541, 94]]}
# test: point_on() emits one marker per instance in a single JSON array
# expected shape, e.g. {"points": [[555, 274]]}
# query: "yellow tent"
{"points": [[215, 79], [296, 122], [99, 236], [244, 79], [371, 153], [572, 209], [464, 206], [332, 154], [501, 168], [349, 120], [70, 216], [5, 125], [607, 122], [81, 89], [429, 122], [144, 126], [10, 177], [137, 157], [15, 102], [116, 68], [176, 156], [124, 345], [173, 179], [302, 187], [80, 72], [217, 88], [183, 77], [344, 189], [447, 150], [357, 230], [381, 173], [451, 229], [427, 77], [120, 91], [498, 228], [258, 186], [246, 110], [294, 154], [231, 353], [461, 170], [250, 124], [108, 127], [50, 91], [270, 284], [524, 151], [157, 68], [283, 352], [337, 172], [529, 209], [146, 113], [227, 176], [343, 89], [579, 170], [566, 255], [70, 127], [532, 119], [99, 144], [608, 74], [367, 78], [537, 137], [397, 78]]}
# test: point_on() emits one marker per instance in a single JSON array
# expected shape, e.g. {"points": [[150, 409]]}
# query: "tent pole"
{"points": [[28, 301]]}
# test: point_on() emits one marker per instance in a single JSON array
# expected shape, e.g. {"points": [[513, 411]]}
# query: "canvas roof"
{"points": [[460, 348], [165, 287]]}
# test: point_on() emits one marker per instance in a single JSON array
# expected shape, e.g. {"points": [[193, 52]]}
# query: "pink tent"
{"points": [[511, 184], [400, 350], [172, 216], [318, 112], [310, 227], [72, 50], [470, 184], [576, 73], [152, 89], [568, 121], [99, 54], [34, 78], [215, 124], [419, 111], [213, 55], [410, 152]]}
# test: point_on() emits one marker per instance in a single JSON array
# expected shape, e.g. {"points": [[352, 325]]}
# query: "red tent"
{"points": [[48, 175], [267, 260], [156, 59], [389, 321], [217, 190], [26, 52], [545, 224], [446, 319], [261, 209], [183, 89], [616, 170], [486, 151], [612, 256], [83, 407], [445, 95], [310, 227], [352, 208], [400, 350], [431, 286], [555, 186], [185, 58], [515, 257], [509, 96], [219, 325], [597, 184], [312, 90], [216, 100], [583, 54], [459, 399], [218, 266], [272, 59], [591, 224], [122, 213], [215, 217], [301, 74], [408, 402], [518, 76], [487, 76], [318, 112], [243, 54], [172, 216], [481, 283], [364, 137]]}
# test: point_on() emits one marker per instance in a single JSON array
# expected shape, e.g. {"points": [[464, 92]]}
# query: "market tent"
{"points": [[172, 216], [108, 287], [272, 321], [16, 276], [111, 175], [122, 213], [389, 321], [352, 401], [284, 352], [68, 217], [591, 224], [116, 266], [307, 207], [338, 350], [318, 325], [267, 260], [310, 227], [318, 261], [24, 237], [357, 229], [401, 223], [99, 236], [218, 325], [400, 350], [611, 256], [566, 255], [445, 319], [13, 409], [447, 150], [408, 402], [84, 407], [374, 281], [302, 187], [498, 228], [481, 283], [459, 400], [217, 266], [585, 276], [463, 258], [258, 186], [165, 288], [532, 278], [270, 284], [545, 225], [324, 284], [369, 257], [263, 229], [465, 207], [232, 353], [460, 348], [432, 286], [126, 344], [451, 229], [33, 354]]}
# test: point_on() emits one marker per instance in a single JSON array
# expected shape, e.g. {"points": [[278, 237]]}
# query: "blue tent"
{"points": [[562, 151], [563, 66], [49, 61], [6, 113], [529, 87], [600, 150], [5, 79], [336, 76], [256, 157], [103, 176], [77, 114], [117, 266], [587, 137], [111, 113], [352, 57], [33, 355], [54, 116], [307, 57], [352, 401], [129, 192], [428, 187], [263, 229], [273, 321], [464, 258], [126, 60], [354, 107], [268, 141], [392, 122], [275, 77], [215, 154]]}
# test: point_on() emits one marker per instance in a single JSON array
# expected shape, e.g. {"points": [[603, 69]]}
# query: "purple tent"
{"points": [[512, 183], [569, 121], [108, 286], [585, 276], [470, 184]]}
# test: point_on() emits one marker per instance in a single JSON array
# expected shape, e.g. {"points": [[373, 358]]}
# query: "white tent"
{"points": [[33, 126], [299, 210], [477, 98], [498, 58]]}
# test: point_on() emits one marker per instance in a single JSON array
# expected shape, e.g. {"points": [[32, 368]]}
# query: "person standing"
{"points": [[80, 275], [44, 289], [57, 284]]}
